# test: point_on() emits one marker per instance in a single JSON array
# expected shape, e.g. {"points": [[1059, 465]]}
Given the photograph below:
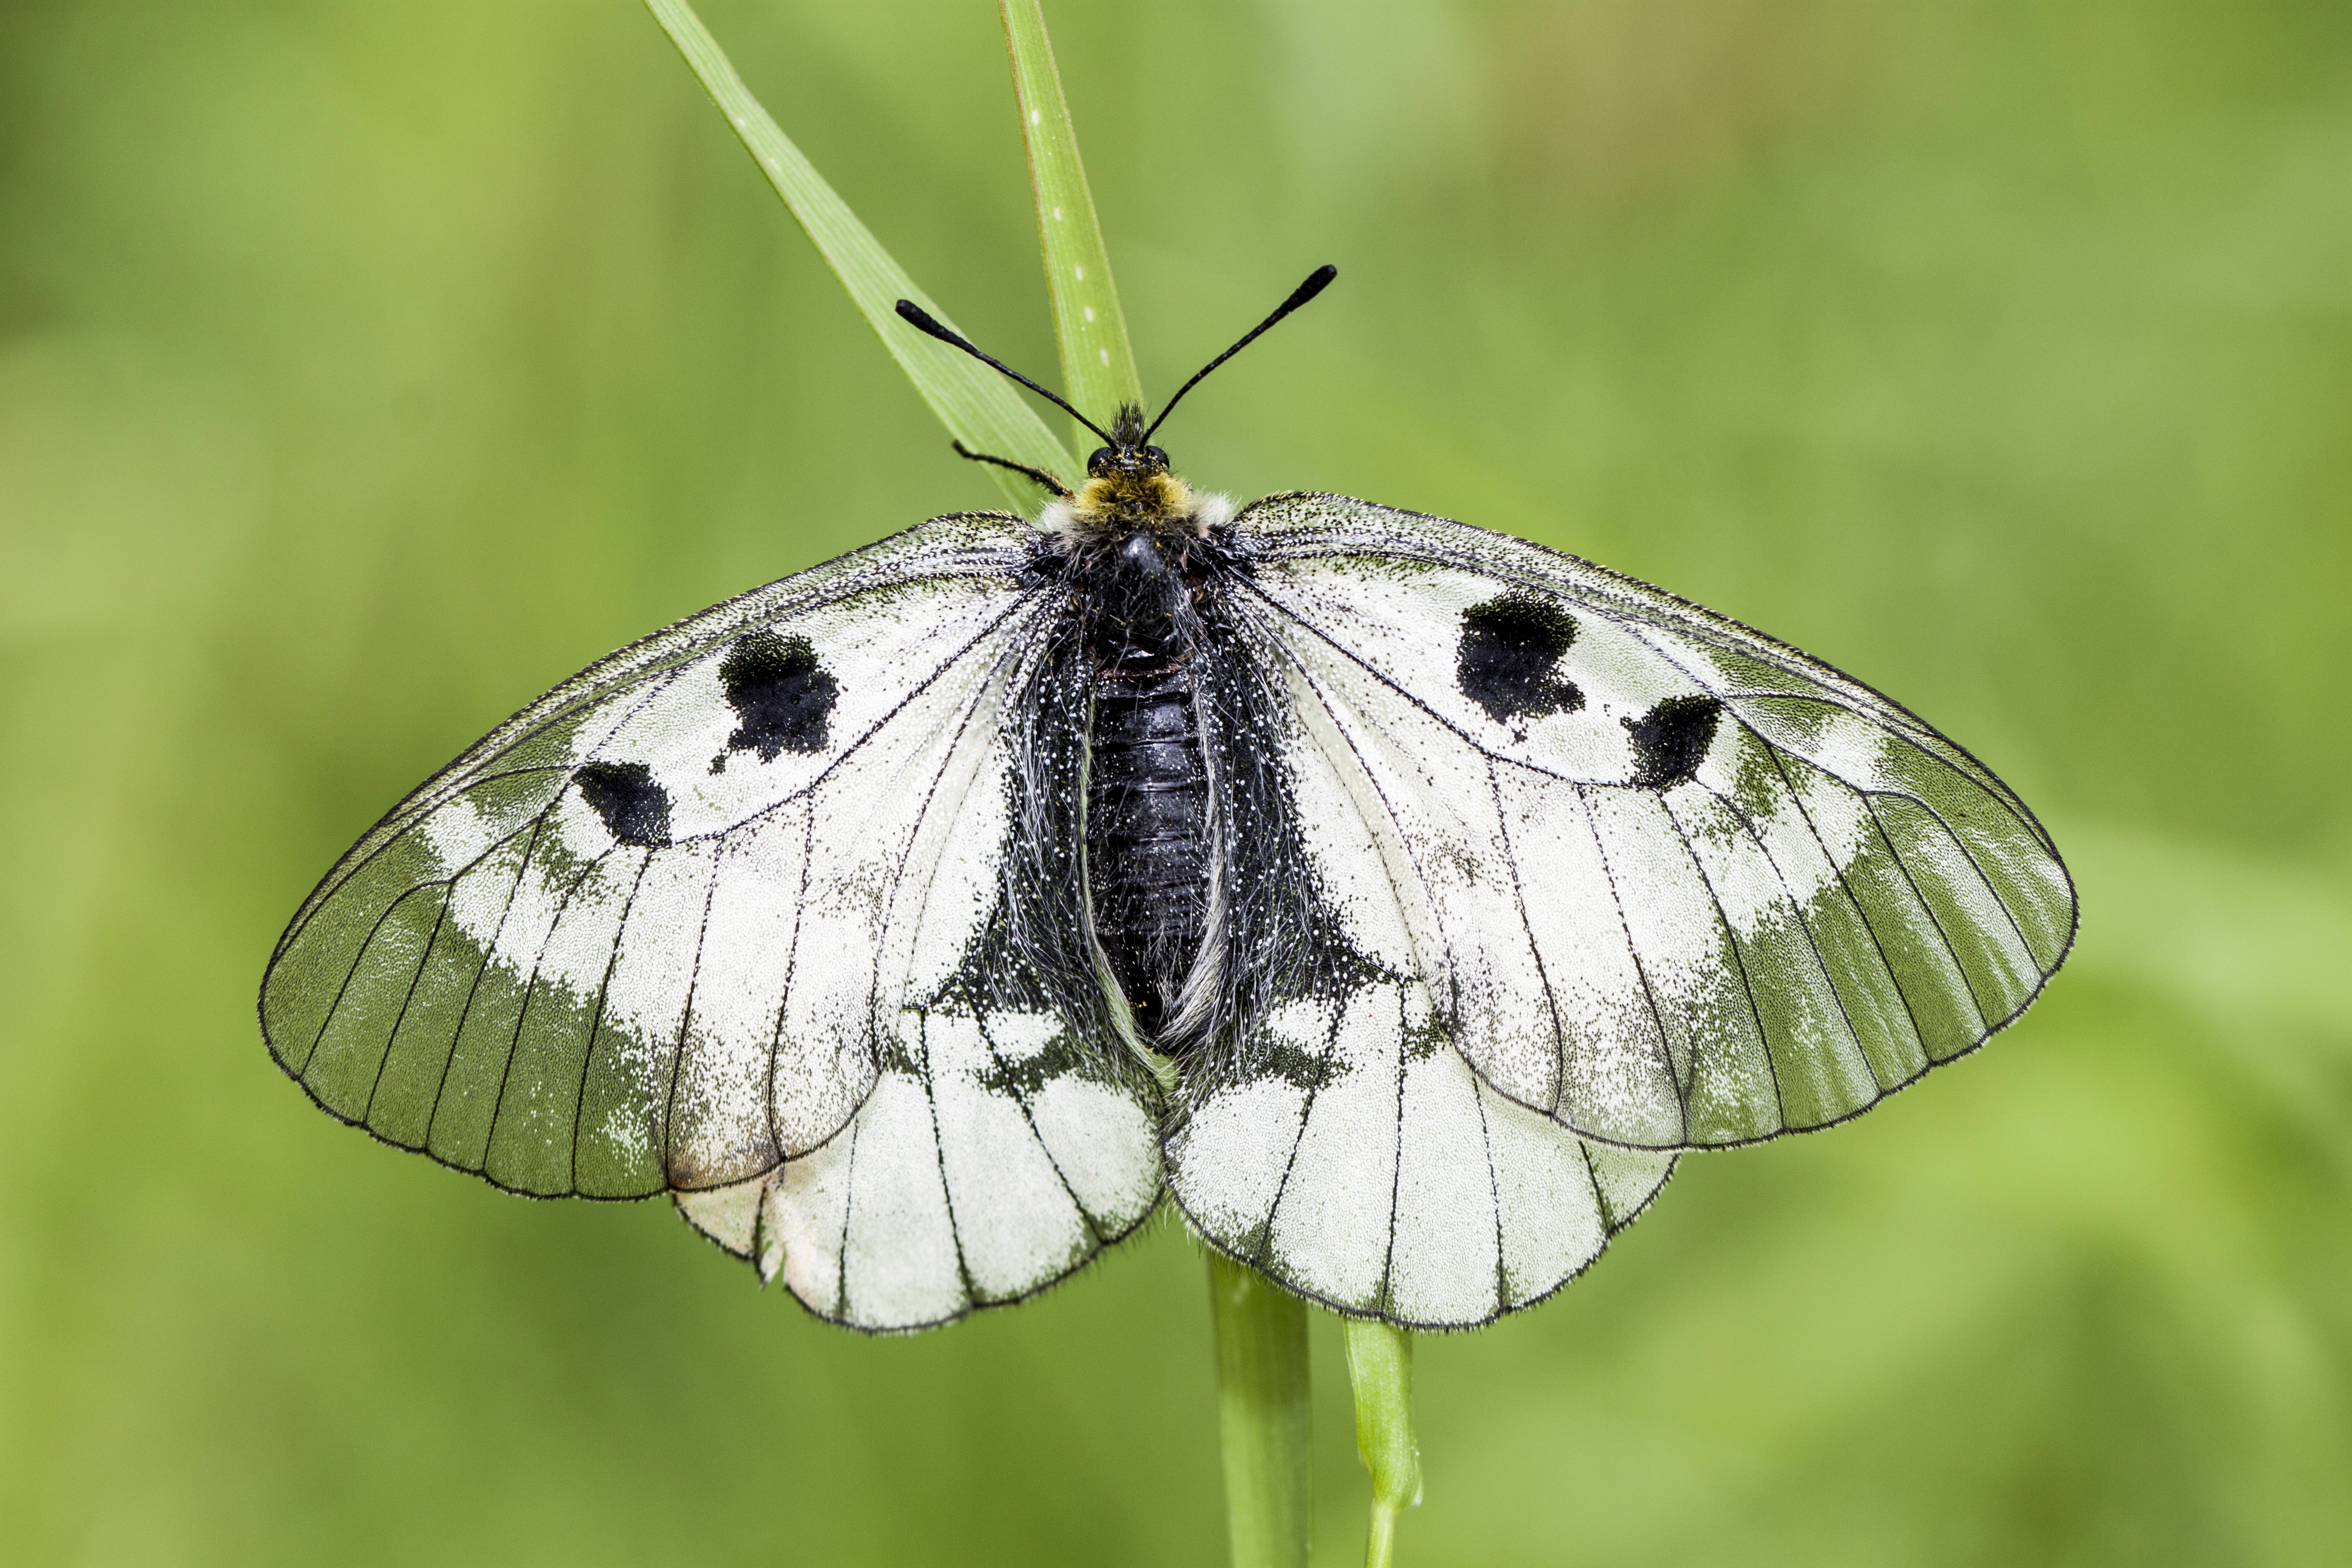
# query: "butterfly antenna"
{"points": [[1317, 282], [923, 321], [1040, 475]]}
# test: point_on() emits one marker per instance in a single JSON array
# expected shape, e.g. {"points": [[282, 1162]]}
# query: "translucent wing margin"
{"points": [[661, 929], [1669, 883]]}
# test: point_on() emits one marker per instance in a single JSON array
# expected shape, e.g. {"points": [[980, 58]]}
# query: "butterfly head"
{"points": [[1129, 452], [1128, 490]]}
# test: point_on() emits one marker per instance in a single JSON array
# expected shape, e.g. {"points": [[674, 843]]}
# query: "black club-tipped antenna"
{"points": [[923, 321], [1317, 282]]}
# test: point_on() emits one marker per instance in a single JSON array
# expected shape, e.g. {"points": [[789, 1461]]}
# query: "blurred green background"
{"points": [[364, 369]]}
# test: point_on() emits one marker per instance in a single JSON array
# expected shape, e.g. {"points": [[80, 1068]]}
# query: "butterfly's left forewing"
{"points": [[727, 915]]}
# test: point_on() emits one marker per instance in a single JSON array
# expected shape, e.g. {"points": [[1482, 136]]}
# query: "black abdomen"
{"points": [[1147, 836]]}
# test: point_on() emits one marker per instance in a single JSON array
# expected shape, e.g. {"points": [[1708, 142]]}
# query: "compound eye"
{"points": [[1156, 457], [1100, 459]]}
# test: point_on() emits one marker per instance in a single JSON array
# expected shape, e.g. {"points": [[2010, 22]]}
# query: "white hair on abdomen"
{"points": [[1210, 509]]}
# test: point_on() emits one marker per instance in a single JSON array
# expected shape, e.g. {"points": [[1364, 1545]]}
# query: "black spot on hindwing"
{"points": [[634, 808], [1510, 653], [784, 697], [1671, 739]]}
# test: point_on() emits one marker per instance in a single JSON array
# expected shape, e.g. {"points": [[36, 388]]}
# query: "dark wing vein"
{"points": [[1739, 961], [1845, 886], [1813, 943], [686, 1017], [1641, 970], [1535, 951], [530, 990], [596, 1015]]}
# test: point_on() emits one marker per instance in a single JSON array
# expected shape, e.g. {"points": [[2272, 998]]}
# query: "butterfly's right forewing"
{"points": [[1671, 883]]}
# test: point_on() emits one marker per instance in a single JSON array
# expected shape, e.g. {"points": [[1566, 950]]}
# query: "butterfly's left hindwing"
{"points": [[1667, 882], [998, 1151], [1009, 1135]]}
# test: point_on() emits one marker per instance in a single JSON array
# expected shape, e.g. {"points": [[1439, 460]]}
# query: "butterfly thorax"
{"points": [[1129, 488], [1138, 555]]}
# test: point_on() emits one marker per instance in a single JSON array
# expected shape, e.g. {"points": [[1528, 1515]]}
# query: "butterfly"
{"points": [[1399, 898]]}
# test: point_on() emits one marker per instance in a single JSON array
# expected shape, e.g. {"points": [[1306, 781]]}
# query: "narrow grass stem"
{"points": [[979, 407], [1379, 1365], [1262, 1414], [1261, 1329], [1098, 364]]}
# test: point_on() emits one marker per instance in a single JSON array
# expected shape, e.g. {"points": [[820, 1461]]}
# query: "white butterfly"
{"points": [[1399, 897]]}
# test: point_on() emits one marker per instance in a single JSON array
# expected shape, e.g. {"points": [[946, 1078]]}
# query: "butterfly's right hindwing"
{"points": [[658, 929], [1330, 1134]]}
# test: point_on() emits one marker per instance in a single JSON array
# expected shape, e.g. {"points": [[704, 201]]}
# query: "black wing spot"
{"points": [[1025, 1078], [633, 808], [1511, 648], [1300, 1069], [782, 694], [1671, 739]]}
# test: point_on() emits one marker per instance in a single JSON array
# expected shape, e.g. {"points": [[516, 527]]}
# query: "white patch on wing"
{"points": [[645, 1000], [729, 1216], [719, 1129], [899, 1262], [1617, 1079], [1105, 1146], [458, 834], [1015, 1216], [1333, 1222], [1229, 1159], [1446, 1269]]}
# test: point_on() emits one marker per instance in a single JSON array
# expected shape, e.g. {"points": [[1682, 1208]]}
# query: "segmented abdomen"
{"points": [[1147, 836]]}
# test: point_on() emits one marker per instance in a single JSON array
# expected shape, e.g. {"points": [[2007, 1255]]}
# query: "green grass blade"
{"points": [[1380, 1363], [980, 408], [1262, 1414], [1098, 365]]}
